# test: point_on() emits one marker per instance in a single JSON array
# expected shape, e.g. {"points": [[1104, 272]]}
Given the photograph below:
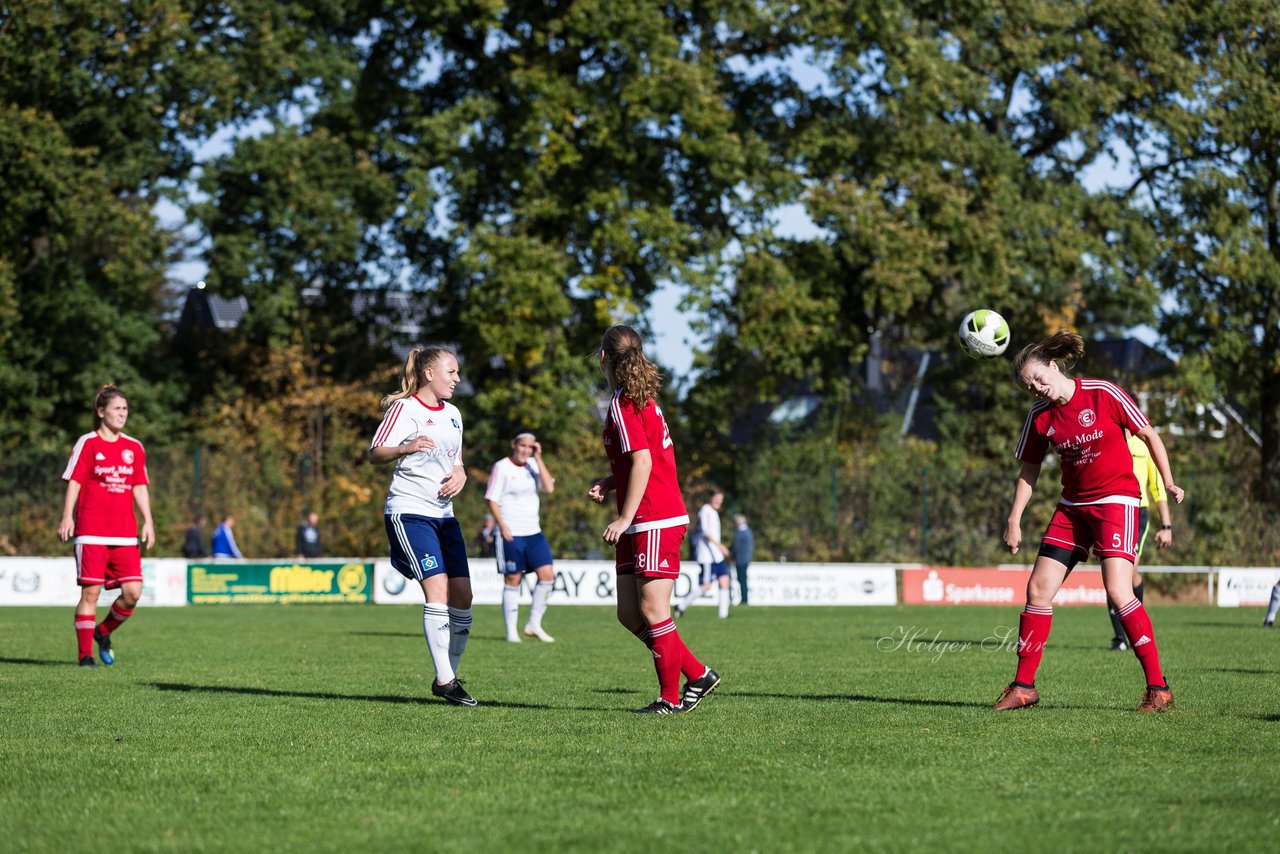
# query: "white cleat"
{"points": [[537, 632], [513, 638]]}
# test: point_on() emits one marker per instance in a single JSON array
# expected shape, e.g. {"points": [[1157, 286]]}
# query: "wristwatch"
{"points": [[1166, 527]]}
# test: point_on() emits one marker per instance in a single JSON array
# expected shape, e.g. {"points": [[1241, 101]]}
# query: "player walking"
{"points": [[421, 433], [521, 547], [711, 554], [106, 476], [650, 525], [1083, 420]]}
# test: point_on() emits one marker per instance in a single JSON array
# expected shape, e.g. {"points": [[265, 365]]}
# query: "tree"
{"points": [[1209, 182]]}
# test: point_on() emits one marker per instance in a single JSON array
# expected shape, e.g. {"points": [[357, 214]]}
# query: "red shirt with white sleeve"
{"points": [[1087, 434], [628, 429], [107, 473]]}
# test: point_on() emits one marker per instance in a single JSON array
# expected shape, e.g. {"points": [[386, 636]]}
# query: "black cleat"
{"points": [[454, 693], [661, 707], [103, 640], [88, 661], [1119, 645], [696, 689]]}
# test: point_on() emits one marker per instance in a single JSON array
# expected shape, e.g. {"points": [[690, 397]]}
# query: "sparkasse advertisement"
{"points": [[283, 582]]}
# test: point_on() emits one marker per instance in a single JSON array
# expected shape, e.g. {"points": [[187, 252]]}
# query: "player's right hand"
{"points": [[1013, 537], [419, 443]]}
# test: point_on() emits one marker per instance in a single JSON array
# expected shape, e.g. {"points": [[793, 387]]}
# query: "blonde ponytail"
{"points": [[415, 369]]}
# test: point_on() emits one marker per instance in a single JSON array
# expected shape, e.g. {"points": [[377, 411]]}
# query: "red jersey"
{"points": [[1087, 434], [107, 473], [627, 429]]}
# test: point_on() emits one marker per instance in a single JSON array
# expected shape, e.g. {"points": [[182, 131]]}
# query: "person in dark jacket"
{"points": [[193, 545], [306, 544], [744, 543]]}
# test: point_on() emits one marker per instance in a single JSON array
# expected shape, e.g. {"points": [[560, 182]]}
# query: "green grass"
{"points": [[312, 728]]}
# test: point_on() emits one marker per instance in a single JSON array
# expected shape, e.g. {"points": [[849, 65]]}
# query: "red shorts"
{"points": [[107, 565], [650, 554], [1111, 530]]}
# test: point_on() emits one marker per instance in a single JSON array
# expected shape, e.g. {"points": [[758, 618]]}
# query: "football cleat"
{"points": [[1158, 698], [661, 707], [696, 689], [103, 640], [454, 693], [1119, 645], [678, 612], [513, 638], [537, 632], [1017, 696], [88, 661], [1268, 624]]}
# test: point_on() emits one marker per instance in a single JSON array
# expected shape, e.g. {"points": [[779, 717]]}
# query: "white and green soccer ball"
{"points": [[983, 334]]}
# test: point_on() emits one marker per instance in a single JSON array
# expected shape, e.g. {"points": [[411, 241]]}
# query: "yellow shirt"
{"points": [[1144, 469]]}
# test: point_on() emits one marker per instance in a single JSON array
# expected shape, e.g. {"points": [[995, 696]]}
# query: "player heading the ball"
{"points": [[1083, 421]]}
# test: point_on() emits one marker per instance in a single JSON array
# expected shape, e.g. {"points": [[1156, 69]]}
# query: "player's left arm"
{"points": [[142, 497], [641, 468], [1149, 435], [546, 482]]}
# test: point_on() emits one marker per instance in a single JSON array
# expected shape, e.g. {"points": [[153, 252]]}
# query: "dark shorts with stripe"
{"points": [[423, 546]]}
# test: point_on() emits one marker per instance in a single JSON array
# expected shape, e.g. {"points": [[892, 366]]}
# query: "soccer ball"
{"points": [[983, 334]]}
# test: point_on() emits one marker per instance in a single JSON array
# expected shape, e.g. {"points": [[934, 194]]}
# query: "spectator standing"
{"points": [[193, 545], [307, 540], [744, 543], [224, 539], [487, 539]]}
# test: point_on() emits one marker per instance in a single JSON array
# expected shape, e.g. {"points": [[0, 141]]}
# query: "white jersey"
{"points": [[709, 526], [515, 490], [415, 485]]}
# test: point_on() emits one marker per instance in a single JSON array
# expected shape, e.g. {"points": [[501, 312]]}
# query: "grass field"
{"points": [[312, 728]]}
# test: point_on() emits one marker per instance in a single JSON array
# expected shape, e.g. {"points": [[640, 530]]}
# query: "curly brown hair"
{"points": [[627, 368]]}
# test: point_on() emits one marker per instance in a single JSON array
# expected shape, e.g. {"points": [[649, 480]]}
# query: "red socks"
{"points": [[1142, 640], [1033, 631], [84, 634], [668, 654], [115, 617], [671, 658]]}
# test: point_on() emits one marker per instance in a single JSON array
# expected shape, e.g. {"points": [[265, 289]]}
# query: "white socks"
{"points": [[540, 592], [691, 598], [435, 627], [724, 602], [511, 610], [459, 631], [1275, 603]]}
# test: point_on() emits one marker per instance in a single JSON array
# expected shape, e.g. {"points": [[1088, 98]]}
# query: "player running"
{"points": [[106, 476], [421, 433], [1083, 421], [649, 528], [521, 547]]}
